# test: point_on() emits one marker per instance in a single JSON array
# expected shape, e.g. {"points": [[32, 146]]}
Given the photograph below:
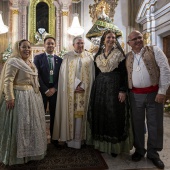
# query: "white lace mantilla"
{"points": [[112, 61]]}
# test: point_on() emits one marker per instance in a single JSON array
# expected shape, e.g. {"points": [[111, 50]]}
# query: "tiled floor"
{"points": [[123, 162]]}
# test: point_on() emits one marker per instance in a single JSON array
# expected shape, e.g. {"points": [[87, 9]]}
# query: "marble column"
{"points": [[64, 22], [14, 20], [14, 13], [64, 28], [23, 19], [58, 26], [152, 25]]}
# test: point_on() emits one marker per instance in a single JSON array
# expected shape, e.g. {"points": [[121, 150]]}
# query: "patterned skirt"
{"points": [[23, 129]]}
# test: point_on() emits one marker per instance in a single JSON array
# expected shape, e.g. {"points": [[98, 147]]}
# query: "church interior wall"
{"points": [[124, 18], [161, 4], [121, 20], [86, 21]]}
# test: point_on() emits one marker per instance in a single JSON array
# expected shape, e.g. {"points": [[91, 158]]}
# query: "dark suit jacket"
{"points": [[42, 65]]}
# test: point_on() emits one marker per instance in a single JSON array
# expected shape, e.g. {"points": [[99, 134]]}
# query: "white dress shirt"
{"points": [[141, 78]]}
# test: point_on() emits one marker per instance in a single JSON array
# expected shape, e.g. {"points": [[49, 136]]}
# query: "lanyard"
{"points": [[138, 61]]}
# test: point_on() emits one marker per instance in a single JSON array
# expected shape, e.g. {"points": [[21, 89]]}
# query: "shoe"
{"points": [[114, 155], [84, 146], [157, 162], [136, 157], [54, 142]]}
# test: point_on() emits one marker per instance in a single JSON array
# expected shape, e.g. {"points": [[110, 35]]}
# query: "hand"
{"points": [[10, 104], [51, 92], [160, 98], [122, 97], [79, 90]]}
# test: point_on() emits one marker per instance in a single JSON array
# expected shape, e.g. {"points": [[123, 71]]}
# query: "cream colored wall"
{"points": [[160, 4], [121, 20], [86, 21]]}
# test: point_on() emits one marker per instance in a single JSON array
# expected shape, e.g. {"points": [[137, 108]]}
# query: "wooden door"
{"points": [[166, 49]]}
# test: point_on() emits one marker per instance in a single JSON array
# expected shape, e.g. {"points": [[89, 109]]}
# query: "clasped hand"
{"points": [[51, 92], [79, 89]]}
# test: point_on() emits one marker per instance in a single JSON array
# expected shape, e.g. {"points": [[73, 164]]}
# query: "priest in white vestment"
{"points": [[75, 81]]}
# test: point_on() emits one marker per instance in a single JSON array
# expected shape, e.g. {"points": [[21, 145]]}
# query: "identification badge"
{"points": [[51, 72]]}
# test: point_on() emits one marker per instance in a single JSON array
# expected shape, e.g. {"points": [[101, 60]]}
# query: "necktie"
{"points": [[51, 68]]}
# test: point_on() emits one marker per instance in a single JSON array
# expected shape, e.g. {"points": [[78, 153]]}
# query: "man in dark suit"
{"points": [[48, 65]]}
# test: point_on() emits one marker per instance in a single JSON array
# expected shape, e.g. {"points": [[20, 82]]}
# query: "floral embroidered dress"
{"points": [[108, 120], [22, 129]]}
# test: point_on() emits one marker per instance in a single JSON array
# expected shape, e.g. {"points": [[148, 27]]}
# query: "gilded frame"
{"points": [[32, 19]]}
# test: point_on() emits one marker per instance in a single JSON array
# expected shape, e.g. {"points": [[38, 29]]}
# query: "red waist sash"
{"points": [[149, 89]]}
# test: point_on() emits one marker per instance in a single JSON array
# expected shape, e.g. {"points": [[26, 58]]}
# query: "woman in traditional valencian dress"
{"points": [[108, 119], [22, 117]]}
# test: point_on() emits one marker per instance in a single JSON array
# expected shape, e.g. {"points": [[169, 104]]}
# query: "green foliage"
{"points": [[62, 52], [7, 53], [167, 106]]}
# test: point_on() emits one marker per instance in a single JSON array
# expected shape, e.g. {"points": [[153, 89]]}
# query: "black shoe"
{"points": [[157, 162], [114, 155], [136, 157], [54, 142], [84, 146]]}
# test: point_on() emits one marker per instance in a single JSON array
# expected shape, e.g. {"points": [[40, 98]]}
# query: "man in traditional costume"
{"points": [[148, 79], [75, 80]]}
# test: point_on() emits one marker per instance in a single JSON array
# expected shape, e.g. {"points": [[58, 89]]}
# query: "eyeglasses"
{"points": [[135, 39]]}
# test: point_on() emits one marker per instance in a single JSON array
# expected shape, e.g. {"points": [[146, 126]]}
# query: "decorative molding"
{"points": [[146, 38], [145, 10], [64, 4], [76, 1], [109, 9], [24, 2], [14, 3], [164, 10], [154, 22], [64, 13], [15, 11], [32, 19], [58, 25], [163, 25]]}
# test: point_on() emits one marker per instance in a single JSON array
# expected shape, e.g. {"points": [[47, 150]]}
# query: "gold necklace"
{"points": [[105, 59]]}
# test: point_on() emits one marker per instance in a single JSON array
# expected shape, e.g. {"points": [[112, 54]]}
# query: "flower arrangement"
{"points": [[7, 53], [62, 52], [167, 106]]}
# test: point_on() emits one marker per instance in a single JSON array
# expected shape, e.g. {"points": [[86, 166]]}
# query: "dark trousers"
{"points": [[144, 105], [52, 106]]}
